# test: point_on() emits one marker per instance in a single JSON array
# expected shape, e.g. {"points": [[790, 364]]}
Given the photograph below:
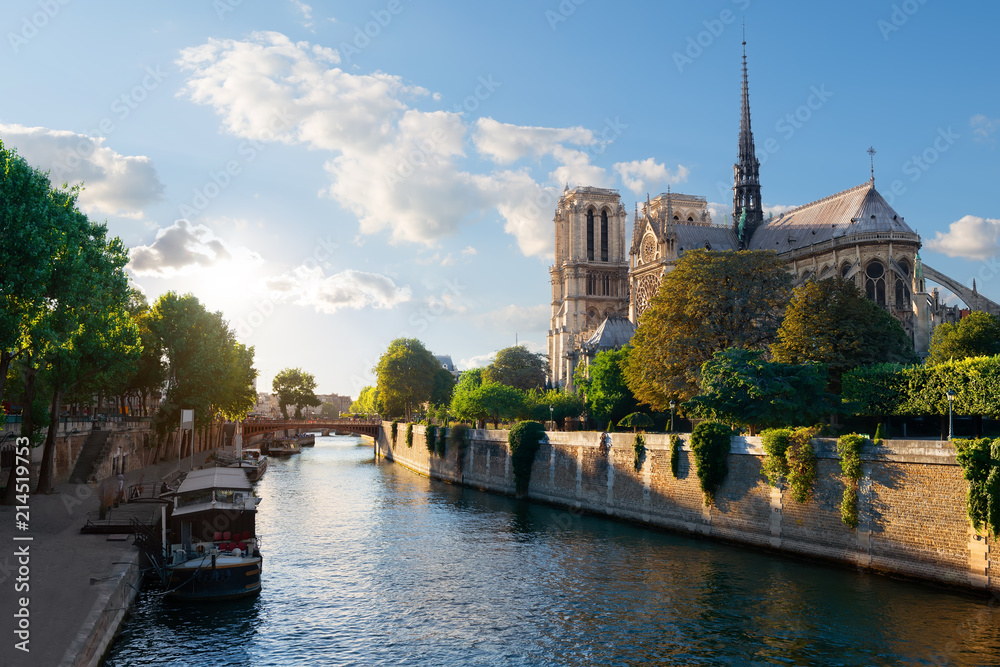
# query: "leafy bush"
{"points": [[524, 440], [459, 437], [639, 447], [675, 454], [442, 443], [978, 460], [409, 435], [392, 430], [879, 434], [775, 442], [430, 437], [801, 464], [849, 448], [710, 446]]}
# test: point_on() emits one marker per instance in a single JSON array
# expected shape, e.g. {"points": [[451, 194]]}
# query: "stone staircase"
{"points": [[92, 452]]}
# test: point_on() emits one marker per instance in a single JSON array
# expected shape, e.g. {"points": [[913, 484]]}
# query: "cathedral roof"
{"points": [[713, 237], [857, 211], [615, 331]]}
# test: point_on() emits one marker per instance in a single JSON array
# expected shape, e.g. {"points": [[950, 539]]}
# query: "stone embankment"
{"points": [[911, 499]]}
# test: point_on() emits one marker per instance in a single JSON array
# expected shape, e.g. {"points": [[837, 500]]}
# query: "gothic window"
{"points": [[646, 289], [648, 251], [845, 269], [690, 219], [903, 264], [590, 235], [902, 294], [875, 282], [604, 236]]}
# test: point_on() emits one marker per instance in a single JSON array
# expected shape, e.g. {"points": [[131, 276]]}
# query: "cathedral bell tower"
{"points": [[746, 172], [590, 274]]}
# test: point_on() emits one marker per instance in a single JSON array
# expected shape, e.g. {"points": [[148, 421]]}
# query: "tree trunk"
{"points": [[45, 481], [5, 359]]}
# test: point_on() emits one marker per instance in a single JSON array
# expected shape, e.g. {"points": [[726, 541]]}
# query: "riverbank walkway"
{"points": [[79, 585]]}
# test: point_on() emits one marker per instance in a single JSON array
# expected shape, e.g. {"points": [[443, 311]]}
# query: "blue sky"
{"points": [[334, 175]]}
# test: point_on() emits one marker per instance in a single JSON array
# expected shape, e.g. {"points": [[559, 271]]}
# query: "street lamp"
{"points": [[951, 402], [551, 419], [672, 405]]}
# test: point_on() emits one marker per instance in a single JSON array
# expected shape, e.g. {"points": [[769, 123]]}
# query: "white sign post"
{"points": [[187, 424]]}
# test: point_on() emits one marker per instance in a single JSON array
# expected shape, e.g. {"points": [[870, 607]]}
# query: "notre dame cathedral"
{"points": [[598, 295]]}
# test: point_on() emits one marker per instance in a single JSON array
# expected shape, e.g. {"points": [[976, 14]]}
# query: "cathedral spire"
{"points": [[746, 171]]}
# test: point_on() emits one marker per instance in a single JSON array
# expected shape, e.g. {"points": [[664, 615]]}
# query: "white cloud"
{"points": [[306, 12], [477, 361], [984, 128], [648, 175], [971, 237], [114, 184], [347, 289], [399, 169], [184, 248], [517, 318], [469, 251]]}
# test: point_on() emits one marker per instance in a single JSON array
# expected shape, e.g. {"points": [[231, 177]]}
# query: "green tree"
{"points": [[709, 302], [405, 374], [564, 404], [477, 399], [442, 387], [517, 367], [975, 335], [833, 323], [294, 386], [739, 388], [368, 402], [602, 382]]}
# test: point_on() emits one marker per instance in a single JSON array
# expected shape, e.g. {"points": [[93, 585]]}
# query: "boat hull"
{"points": [[227, 578]]}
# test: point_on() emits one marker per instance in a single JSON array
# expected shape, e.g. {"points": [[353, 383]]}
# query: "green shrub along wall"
{"points": [[911, 497]]}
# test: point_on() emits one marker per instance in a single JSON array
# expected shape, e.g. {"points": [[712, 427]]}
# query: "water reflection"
{"points": [[370, 564]]}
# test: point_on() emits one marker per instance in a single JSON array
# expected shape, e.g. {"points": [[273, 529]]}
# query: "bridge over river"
{"points": [[353, 426]]}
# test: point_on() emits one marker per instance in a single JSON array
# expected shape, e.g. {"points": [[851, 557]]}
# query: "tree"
{"points": [[477, 399], [368, 402], [740, 388], [517, 367], [709, 302], [405, 374], [564, 404], [295, 387], [975, 335], [442, 387], [602, 382], [833, 323]]}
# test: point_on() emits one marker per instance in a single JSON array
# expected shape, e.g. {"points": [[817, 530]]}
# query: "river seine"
{"points": [[367, 563]]}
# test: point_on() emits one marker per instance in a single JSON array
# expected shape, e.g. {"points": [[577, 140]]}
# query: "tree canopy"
{"points": [[295, 387], [406, 374], [368, 402], [975, 335], [602, 382], [709, 302], [740, 388], [833, 323], [517, 367]]}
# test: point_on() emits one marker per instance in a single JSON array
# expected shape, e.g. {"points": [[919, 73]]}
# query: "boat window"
{"points": [[195, 497]]}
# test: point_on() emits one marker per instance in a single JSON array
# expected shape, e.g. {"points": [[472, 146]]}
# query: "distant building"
{"points": [[448, 365]]}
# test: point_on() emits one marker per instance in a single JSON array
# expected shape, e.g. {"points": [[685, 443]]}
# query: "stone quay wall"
{"points": [[911, 499]]}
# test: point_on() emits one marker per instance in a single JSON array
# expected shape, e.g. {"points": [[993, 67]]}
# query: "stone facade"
{"points": [[590, 274], [911, 501]]}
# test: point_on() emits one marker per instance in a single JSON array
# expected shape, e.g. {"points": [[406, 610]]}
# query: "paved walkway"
{"points": [[72, 577]]}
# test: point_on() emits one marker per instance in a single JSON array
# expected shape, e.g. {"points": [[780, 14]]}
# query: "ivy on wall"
{"points": [[675, 454], [801, 459], [409, 435], [849, 448], [459, 437], [775, 442], [392, 430], [430, 437], [524, 440], [638, 448], [710, 446], [980, 462], [442, 442]]}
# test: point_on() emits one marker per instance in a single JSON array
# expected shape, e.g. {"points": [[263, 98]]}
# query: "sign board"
{"points": [[187, 419]]}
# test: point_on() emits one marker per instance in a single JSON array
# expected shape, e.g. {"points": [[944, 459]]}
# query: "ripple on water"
{"points": [[369, 564]]}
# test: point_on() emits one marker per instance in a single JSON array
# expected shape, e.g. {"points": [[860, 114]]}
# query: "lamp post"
{"points": [[551, 419], [672, 405], [951, 402]]}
